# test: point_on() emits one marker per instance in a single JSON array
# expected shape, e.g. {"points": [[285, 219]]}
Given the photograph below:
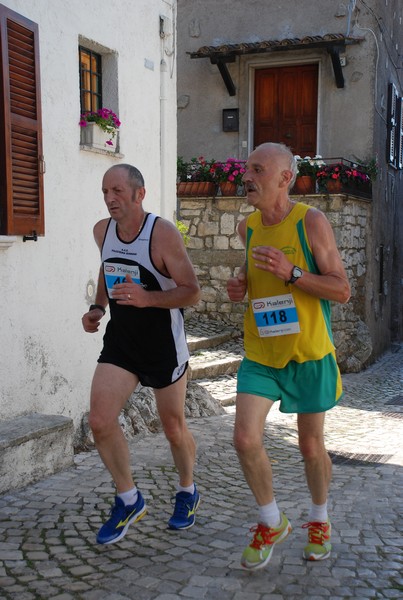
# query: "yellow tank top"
{"points": [[283, 323]]}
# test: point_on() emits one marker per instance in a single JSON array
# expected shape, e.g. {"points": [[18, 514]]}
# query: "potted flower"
{"points": [[229, 175], [195, 177], [306, 174], [181, 169], [344, 176], [93, 123]]}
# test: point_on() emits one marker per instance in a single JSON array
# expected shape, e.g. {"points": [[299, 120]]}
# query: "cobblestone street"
{"points": [[47, 530]]}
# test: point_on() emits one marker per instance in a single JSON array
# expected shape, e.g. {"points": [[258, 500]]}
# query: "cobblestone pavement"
{"points": [[47, 530]]}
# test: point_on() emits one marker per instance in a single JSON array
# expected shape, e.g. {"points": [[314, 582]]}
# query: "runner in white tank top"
{"points": [[147, 279]]}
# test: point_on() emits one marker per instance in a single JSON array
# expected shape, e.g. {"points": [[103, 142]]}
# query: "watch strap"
{"points": [[95, 306], [293, 277]]}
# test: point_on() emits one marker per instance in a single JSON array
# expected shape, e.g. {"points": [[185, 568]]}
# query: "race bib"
{"points": [[116, 272], [275, 315]]}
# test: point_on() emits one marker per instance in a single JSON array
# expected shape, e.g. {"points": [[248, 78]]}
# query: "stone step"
{"points": [[33, 446], [208, 363], [198, 342], [222, 388], [216, 353], [208, 334]]}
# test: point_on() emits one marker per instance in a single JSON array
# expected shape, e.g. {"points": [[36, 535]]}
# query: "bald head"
{"points": [[282, 155], [134, 177]]}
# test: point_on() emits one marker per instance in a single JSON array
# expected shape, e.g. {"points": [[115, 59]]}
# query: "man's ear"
{"points": [[286, 177], [139, 194]]}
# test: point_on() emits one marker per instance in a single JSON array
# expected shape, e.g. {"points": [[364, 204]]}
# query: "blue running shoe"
{"points": [[184, 512], [121, 517]]}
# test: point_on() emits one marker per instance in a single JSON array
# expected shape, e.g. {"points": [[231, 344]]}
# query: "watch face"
{"points": [[296, 272]]}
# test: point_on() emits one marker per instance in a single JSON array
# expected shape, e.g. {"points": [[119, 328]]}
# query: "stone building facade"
{"points": [[253, 61], [216, 253]]}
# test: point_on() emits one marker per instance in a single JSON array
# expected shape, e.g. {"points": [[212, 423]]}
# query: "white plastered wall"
{"points": [[46, 359]]}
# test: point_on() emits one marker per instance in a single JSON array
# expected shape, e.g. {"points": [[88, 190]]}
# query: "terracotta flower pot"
{"points": [[195, 188], [304, 185], [228, 188], [334, 186]]}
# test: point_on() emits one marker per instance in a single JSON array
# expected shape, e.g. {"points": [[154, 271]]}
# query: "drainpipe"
{"points": [[163, 149], [351, 7]]}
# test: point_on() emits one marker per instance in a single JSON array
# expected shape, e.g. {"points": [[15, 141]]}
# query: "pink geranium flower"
{"points": [[105, 118]]}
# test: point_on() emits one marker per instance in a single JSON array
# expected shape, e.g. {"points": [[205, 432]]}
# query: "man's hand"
{"points": [[236, 287], [130, 294], [91, 320], [273, 260]]}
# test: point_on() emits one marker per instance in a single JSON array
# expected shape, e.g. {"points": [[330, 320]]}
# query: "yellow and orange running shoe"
{"points": [[259, 551], [319, 546]]}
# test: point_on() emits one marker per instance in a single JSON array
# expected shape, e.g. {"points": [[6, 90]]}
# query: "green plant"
{"points": [[105, 119], [181, 169], [231, 170], [201, 169], [183, 230], [197, 169], [308, 166], [371, 167], [345, 173]]}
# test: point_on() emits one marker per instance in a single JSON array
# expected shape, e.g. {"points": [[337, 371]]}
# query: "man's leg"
{"points": [[111, 388], [272, 528], [171, 409], [318, 466], [250, 419], [318, 470]]}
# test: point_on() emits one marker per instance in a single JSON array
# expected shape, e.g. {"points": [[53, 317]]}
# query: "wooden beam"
{"points": [[225, 74]]}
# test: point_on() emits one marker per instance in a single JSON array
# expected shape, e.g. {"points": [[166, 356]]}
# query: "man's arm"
{"points": [[331, 283], [237, 286], [170, 257], [92, 318]]}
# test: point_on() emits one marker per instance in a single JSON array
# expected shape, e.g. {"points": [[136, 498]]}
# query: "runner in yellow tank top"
{"points": [[292, 270], [283, 322]]}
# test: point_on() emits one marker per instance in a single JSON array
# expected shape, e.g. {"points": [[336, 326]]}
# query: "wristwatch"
{"points": [[94, 306], [295, 274]]}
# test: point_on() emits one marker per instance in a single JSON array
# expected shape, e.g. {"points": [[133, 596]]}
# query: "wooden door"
{"points": [[286, 103]]}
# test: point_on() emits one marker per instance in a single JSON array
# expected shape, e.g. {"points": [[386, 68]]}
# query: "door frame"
{"points": [[249, 67]]}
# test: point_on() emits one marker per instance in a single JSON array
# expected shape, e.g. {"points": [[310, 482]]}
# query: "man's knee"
{"points": [[96, 423], [101, 422], [245, 443], [311, 448], [174, 429]]}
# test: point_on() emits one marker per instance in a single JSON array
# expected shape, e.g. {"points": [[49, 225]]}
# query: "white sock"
{"points": [[129, 497], [190, 489], [269, 514], [318, 513]]}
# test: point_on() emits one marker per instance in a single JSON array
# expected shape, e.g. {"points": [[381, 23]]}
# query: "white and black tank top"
{"points": [[150, 338]]}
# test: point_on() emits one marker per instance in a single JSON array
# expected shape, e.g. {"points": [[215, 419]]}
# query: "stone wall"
{"points": [[216, 253]]}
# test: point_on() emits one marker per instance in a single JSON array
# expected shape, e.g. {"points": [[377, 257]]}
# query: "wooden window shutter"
{"points": [[391, 144], [399, 145], [21, 159]]}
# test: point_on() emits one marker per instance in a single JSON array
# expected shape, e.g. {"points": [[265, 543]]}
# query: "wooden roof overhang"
{"points": [[334, 43]]}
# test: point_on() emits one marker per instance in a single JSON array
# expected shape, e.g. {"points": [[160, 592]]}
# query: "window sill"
{"points": [[6, 241], [89, 148]]}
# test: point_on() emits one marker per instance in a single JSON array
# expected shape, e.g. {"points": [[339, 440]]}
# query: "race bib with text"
{"points": [[116, 272], [275, 315]]}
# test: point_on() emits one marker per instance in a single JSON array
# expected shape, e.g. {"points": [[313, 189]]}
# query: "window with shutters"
{"points": [[394, 145], [399, 126], [98, 78], [21, 160]]}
